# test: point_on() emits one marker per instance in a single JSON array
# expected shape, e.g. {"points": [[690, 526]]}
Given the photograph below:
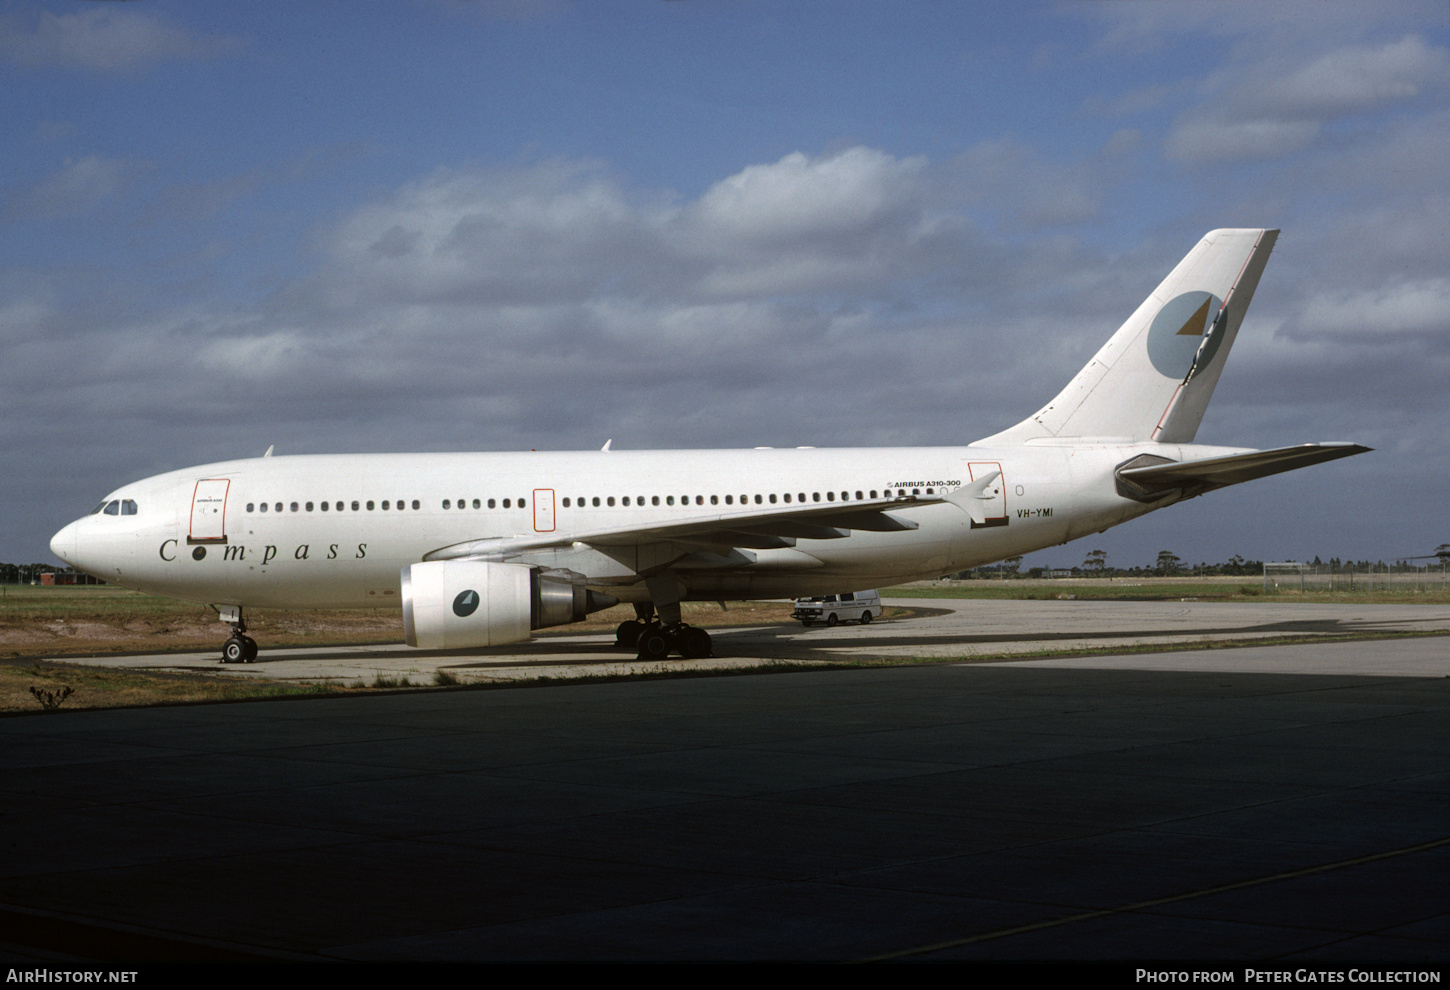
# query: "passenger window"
{"points": [[714, 499], [415, 503], [815, 496], [654, 500], [772, 499], [354, 506], [309, 506], [262, 507], [624, 501], [609, 501], [250, 507], [323, 506], [729, 499], [787, 496], [566, 501], [669, 500], [596, 501], [278, 506], [386, 505], [371, 505], [294, 506], [447, 503], [522, 503], [699, 500], [492, 504], [859, 496], [830, 497], [477, 504]]}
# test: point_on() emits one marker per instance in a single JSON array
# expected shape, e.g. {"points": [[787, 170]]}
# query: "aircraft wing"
{"points": [[753, 528], [1150, 481]]}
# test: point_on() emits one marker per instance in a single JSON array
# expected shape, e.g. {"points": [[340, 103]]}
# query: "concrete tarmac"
{"points": [[935, 628], [1266, 802]]}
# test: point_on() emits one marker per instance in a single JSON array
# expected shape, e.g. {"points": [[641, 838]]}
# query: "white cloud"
{"points": [[803, 198], [78, 186], [1416, 307], [1258, 111], [105, 38]]}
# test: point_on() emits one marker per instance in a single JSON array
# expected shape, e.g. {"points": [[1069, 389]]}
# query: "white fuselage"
{"points": [[387, 511]]}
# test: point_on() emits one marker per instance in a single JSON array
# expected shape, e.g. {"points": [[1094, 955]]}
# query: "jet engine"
{"points": [[451, 604]]}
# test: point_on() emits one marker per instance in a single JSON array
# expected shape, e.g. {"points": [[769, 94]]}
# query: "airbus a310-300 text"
{"points": [[481, 549]]}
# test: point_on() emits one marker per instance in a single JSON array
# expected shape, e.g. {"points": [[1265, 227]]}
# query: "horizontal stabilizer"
{"points": [[1148, 482], [973, 498]]}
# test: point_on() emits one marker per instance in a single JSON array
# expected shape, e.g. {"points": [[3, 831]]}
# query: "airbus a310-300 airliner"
{"points": [[480, 549]]}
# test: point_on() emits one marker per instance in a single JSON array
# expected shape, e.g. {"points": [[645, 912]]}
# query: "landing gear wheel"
{"points": [[234, 650], [251, 649], [866, 617], [653, 644], [626, 635], [694, 644], [831, 619]]}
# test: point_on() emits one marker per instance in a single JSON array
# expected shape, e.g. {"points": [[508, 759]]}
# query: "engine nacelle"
{"points": [[452, 604]]}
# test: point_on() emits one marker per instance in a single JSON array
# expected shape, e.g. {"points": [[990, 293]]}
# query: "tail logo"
{"points": [[1178, 331]]}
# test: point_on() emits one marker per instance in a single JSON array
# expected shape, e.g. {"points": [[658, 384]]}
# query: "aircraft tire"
{"points": [[653, 644], [234, 650], [866, 617], [831, 619], [626, 635], [251, 649], [694, 644]]}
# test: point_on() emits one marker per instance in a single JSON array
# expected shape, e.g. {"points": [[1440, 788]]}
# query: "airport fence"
{"points": [[1292, 575]]}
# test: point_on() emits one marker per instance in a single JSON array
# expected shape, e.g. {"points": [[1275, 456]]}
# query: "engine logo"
{"points": [[466, 603]]}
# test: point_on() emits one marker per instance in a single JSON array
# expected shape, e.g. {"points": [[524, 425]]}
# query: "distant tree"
{"points": [[1096, 563], [1010, 566], [1168, 562], [1443, 552]]}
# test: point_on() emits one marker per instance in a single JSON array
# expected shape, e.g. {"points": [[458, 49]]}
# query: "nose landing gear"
{"points": [[240, 648]]}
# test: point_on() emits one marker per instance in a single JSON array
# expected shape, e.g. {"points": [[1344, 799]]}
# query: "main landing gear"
{"points": [[240, 648], [656, 640]]}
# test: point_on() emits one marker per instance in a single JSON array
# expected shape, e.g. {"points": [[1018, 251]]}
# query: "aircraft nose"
{"points": [[63, 544]]}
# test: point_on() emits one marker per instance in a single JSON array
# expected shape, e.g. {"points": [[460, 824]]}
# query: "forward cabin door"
{"points": [[543, 510], [209, 511]]}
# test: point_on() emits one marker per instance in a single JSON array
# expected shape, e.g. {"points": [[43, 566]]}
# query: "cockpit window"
{"points": [[128, 507], [112, 508], [98, 508]]}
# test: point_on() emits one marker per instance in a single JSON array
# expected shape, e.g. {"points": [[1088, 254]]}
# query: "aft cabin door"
{"points": [[543, 510], [209, 511], [995, 507]]}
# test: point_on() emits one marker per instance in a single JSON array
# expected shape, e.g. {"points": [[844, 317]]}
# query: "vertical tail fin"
{"points": [[1152, 380]]}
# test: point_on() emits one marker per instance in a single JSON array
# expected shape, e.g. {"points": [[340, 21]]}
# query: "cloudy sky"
{"points": [[448, 225]]}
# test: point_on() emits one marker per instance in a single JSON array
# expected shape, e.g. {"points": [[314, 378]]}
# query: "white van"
{"points": [[853, 606]]}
